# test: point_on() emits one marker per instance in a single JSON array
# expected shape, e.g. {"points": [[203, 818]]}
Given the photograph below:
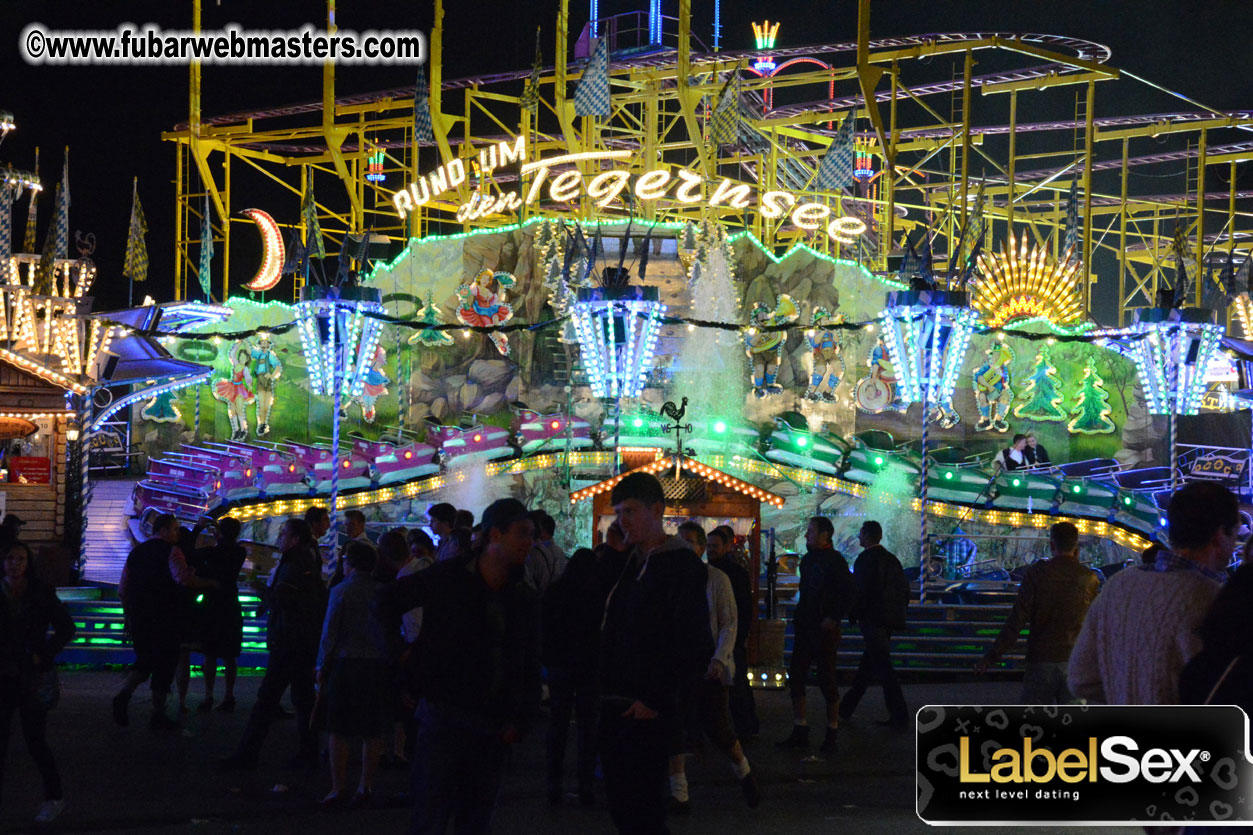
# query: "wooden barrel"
{"points": [[767, 649]]}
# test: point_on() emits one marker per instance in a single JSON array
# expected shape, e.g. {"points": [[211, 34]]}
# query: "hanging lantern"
{"points": [[333, 324], [927, 334], [1172, 350], [617, 330], [374, 168]]}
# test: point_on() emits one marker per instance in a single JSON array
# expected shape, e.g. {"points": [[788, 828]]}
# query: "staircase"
{"points": [[942, 642], [100, 639], [108, 538]]}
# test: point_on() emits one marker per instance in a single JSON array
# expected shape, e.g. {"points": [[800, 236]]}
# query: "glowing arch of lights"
{"points": [[790, 62], [1023, 282]]}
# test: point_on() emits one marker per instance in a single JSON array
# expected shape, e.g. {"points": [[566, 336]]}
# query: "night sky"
{"points": [[112, 117]]}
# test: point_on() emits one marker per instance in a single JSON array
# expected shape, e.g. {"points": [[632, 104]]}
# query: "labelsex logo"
{"points": [[1074, 765]]}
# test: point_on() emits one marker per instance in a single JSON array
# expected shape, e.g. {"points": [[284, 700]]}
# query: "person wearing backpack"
{"points": [[882, 600]]}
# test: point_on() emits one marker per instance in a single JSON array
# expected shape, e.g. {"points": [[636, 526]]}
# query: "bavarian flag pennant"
{"points": [[205, 273], [592, 96], [313, 230], [836, 169], [724, 125], [32, 213], [62, 226], [423, 130], [530, 96], [45, 273], [135, 266], [1070, 243]]}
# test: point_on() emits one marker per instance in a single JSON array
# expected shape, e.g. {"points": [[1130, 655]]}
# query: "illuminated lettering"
{"points": [[403, 202], [605, 188], [775, 204], [736, 195], [688, 190], [652, 185], [808, 215], [516, 153], [456, 173], [565, 187], [845, 230]]}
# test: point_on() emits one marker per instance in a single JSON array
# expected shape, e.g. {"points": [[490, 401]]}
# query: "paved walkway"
{"points": [[121, 780]]}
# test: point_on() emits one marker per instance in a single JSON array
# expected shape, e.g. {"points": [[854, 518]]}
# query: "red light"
{"points": [[477, 438], [555, 424], [291, 468], [408, 454], [347, 464], [248, 472]]}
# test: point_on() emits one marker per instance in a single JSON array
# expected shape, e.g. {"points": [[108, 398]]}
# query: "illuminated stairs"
{"points": [[108, 539], [943, 641], [101, 639]]}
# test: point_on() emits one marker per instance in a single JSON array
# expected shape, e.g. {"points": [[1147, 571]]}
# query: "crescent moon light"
{"points": [[273, 252]]}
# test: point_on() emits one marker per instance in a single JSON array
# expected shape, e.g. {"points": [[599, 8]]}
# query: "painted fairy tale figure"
{"points": [[374, 383], [878, 392], [993, 387], [765, 347], [827, 352], [236, 392], [481, 306], [266, 369], [161, 409]]}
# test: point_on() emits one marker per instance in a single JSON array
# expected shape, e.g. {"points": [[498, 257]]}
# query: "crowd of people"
{"points": [[434, 654]]}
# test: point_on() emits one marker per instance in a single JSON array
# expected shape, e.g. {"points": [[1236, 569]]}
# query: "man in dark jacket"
{"points": [[296, 600], [743, 708], [826, 593], [478, 655], [151, 599], [882, 599], [655, 645]]}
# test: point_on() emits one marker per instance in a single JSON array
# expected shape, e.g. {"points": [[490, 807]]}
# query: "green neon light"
{"points": [[842, 262], [1060, 330]]}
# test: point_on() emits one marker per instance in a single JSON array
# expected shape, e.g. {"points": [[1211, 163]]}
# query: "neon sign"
{"points": [[566, 186]]}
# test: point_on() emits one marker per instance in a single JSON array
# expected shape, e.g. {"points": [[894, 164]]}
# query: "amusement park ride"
{"points": [[957, 194]]}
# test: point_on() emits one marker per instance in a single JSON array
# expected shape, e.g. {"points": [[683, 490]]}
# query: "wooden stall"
{"points": [[697, 492], [33, 424]]}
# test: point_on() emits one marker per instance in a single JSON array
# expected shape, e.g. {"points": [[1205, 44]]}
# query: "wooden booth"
{"points": [[699, 493], [33, 477]]}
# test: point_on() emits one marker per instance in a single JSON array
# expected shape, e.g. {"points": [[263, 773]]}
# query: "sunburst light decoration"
{"points": [[1023, 283]]}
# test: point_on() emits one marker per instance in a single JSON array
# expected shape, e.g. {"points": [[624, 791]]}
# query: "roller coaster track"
{"points": [[1082, 50]]}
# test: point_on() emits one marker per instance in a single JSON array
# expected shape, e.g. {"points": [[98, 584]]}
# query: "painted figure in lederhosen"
{"points": [[993, 388], [236, 392], [765, 348], [481, 306], [266, 369], [827, 350]]}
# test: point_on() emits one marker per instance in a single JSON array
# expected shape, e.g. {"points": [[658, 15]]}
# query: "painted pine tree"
{"points": [[1043, 393], [1090, 414], [429, 315]]}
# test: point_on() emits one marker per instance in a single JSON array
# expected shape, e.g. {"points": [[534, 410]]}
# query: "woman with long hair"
{"points": [[29, 609]]}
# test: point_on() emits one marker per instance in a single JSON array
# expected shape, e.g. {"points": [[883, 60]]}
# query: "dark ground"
{"points": [[120, 780]]}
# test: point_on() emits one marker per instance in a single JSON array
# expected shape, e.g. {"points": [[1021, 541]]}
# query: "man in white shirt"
{"points": [[710, 707], [1013, 458]]}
